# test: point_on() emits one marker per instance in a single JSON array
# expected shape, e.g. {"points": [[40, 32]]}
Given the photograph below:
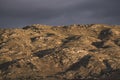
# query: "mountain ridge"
{"points": [[78, 51]]}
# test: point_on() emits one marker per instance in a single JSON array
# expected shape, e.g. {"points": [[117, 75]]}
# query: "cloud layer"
{"points": [[16, 13]]}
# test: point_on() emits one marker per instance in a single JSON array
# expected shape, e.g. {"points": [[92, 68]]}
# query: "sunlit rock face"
{"points": [[42, 52]]}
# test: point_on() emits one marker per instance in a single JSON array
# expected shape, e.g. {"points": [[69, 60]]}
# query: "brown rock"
{"points": [[78, 52]]}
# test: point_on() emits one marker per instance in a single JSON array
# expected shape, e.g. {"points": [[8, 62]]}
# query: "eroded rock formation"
{"points": [[41, 52]]}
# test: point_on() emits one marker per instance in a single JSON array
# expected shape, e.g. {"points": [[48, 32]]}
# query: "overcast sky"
{"points": [[19, 13]]}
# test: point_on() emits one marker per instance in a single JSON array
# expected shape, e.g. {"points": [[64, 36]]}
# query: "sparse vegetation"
{"points": [[42, 52]]}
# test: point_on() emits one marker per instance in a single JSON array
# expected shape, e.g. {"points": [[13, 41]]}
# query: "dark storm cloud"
{"points": [[58, 12]]}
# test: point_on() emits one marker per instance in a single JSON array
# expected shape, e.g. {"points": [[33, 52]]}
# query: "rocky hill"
{"points": [[42, 52]]}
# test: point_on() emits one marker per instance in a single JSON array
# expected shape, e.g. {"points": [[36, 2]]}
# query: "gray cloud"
{"points": [[15, 13]]}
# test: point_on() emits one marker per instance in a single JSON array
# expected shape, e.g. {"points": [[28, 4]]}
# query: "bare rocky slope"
{"points": [[42, 52]]}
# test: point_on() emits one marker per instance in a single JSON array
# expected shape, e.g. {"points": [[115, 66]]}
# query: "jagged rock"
{"points": [[42, 52]]}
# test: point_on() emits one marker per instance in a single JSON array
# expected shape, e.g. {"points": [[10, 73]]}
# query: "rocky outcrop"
{"points": [[42, 52]]}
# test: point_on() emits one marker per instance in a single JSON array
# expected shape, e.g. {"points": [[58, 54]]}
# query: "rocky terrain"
{"points": [[74, 52]]}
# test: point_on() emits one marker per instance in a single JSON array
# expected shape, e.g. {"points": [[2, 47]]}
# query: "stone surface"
{"points": [[42, 52]]}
